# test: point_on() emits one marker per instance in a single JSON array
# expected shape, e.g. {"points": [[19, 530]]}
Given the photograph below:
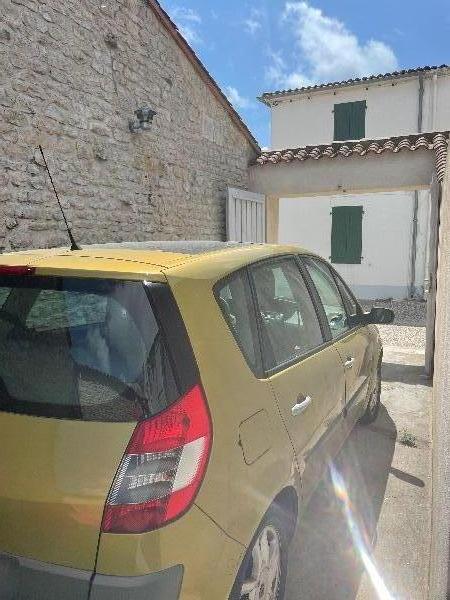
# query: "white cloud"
{"points": [[399, 32], [185, 14], [235, 98], [277, 73], [252, 26], [254, 22], [325, 50], [187, 21]]}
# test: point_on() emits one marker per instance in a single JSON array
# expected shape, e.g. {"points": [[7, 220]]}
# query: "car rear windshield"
{"points": [[82, 349]]}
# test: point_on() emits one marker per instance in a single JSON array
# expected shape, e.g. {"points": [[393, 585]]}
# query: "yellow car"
{"points": [[166, 410]]}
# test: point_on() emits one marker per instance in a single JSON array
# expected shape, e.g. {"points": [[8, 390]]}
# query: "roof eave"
{"points": [[433, 140], [202, 71], [264, 99], [269, 98]]}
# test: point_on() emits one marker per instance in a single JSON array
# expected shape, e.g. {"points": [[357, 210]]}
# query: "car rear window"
{"points": [[83, 349]]}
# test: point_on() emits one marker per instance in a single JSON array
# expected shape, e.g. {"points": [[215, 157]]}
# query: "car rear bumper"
{"points": [[164, 585], [27, 579]]}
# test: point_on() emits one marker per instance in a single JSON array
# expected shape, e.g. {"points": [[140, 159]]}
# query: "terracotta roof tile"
{"points": [[267, 97], [437, 141]]}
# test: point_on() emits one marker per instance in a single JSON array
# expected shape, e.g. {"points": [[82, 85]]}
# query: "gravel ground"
{"points": [[408, 328], [402, 336]]}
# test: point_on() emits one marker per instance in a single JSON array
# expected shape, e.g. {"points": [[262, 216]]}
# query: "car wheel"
{"points": [[373, 404], [262, 575]]}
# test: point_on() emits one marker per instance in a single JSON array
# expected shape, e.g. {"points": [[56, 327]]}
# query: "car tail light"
{"points": [[16, 270], [162, 468]]}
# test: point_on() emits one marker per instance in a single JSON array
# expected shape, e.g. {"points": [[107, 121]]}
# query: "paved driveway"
{"points": [[379, 492]]}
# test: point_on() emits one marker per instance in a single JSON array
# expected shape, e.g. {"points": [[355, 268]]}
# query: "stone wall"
{"points": [[72, 73]]}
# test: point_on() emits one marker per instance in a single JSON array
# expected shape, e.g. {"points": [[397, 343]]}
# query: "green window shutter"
{"points": [[357, 120], [350, 120], [341, 121], [346, 234]]}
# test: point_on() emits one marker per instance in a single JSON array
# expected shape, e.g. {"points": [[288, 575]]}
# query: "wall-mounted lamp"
{"points": [[144, 118]]}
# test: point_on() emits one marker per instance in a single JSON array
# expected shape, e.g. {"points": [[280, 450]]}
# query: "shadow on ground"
{"points": [[410, 374], [326, 558]]}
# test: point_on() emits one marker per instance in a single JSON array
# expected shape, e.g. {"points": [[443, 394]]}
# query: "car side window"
{"points": [[290, 326], [351, 305], [4, 293], [235, 299], [329, 295]]}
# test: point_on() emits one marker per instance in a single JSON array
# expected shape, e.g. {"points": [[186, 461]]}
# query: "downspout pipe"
{"points": [[416, 197], [432, 127]]}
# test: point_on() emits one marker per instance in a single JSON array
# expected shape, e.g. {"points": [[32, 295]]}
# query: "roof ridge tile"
{"points": [[266, 96], [433, 140]]}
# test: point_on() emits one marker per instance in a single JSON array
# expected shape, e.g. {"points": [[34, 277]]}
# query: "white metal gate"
{"points": [[246, 216]]}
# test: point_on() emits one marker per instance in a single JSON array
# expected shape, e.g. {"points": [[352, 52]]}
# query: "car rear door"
{"points": [[306, 373], [352, 340]]}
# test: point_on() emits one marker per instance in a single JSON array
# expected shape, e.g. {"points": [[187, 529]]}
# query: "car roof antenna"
{"points": [[73, 244]]}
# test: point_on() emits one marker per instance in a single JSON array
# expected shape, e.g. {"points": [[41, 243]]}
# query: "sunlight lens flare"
{"points": [[359, 542]]}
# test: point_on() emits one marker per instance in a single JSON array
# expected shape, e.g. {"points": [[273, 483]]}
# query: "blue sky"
{"points": [[254, 46]]}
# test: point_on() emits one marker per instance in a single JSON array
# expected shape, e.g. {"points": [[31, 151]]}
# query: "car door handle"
{"points": [[299, 407], [349, 362]]}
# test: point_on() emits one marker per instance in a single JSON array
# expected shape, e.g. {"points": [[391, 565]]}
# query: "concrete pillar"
{"points": [[272, 219], [440, 527]]}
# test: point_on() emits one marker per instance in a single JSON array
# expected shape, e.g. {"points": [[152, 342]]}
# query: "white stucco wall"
{"points": [[392, 109], [385, 270]]}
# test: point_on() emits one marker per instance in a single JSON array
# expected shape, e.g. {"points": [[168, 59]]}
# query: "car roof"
{"points": [[189, 247], [146, 259]]}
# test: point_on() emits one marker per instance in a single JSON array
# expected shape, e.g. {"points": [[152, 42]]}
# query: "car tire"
{"points": [[374, 400], [260, 581]]}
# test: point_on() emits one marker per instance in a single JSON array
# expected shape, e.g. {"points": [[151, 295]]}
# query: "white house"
{"points": [[378, 242]]}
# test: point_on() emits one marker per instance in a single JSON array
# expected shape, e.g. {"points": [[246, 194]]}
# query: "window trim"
{"points": [[359, 310], [258, 370], [315, 297], [335, 275], [264, 373], [173, 329], [297, 359], [257, 317]]}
